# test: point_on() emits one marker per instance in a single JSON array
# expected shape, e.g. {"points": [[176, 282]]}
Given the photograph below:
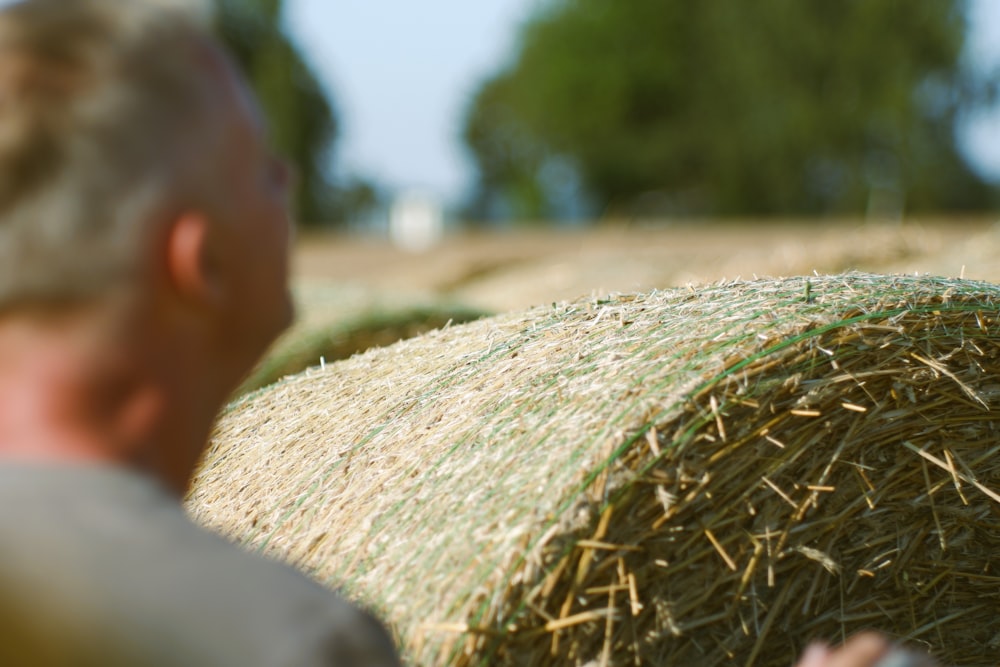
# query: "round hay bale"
{"points": [[699, 476]]}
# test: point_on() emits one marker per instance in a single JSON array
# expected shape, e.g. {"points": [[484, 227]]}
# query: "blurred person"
{"points": [[143, 270]]}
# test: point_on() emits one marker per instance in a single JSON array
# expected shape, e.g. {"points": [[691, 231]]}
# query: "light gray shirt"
{"points": [[101, 566]]}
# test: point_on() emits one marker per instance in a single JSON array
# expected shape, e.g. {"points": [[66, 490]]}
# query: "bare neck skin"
{"points": [[89, 389]]}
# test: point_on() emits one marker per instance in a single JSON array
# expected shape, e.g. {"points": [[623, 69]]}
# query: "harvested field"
{"points": [[708, 476], [514, 270]]}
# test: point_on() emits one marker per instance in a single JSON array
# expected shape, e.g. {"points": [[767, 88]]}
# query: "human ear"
{"points": [[190, 261]]}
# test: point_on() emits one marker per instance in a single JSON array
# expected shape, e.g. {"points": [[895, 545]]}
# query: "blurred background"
{"points": [[500, 154], [544, 111]]}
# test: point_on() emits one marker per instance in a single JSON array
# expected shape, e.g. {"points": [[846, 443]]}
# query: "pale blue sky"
{"points": [[981, 136], [401, 73]]}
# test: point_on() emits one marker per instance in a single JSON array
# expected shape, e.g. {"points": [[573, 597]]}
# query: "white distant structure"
{"points": [[416, 221]]}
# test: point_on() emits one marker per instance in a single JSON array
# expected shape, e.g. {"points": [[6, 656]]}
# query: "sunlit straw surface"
{"points": [[700, 476]]}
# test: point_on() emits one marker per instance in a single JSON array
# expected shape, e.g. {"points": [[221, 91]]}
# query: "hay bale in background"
{"points": [[335, 321], [696, 476]]}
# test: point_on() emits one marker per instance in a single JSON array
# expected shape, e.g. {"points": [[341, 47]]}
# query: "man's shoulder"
{"points": [[119, 553]]}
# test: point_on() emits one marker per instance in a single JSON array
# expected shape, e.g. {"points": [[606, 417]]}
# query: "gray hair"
{"points": [[101, 113]]}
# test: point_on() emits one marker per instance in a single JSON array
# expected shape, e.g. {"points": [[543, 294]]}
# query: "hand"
{"points": [[865, 650]]}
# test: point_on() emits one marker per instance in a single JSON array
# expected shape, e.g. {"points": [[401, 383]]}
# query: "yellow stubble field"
{"points": [[516, 269]]}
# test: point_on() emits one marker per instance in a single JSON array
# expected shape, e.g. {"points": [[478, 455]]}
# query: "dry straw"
{"points": [[700, 476]]}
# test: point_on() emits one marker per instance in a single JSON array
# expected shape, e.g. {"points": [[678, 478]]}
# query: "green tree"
{"points": [[727, 107], [301, 118]]}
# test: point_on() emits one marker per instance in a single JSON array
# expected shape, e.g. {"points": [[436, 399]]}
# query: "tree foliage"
{"points": [[727, 107], [301, 118]]}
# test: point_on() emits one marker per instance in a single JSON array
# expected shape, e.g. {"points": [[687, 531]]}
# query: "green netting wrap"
{"points": [[700, 476]]}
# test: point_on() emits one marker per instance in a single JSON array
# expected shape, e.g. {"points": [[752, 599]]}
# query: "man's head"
{"points": [[127, 140], [143, 233]]}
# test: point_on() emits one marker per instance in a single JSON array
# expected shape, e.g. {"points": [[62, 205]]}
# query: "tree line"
{"points": [[660, 108]]}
